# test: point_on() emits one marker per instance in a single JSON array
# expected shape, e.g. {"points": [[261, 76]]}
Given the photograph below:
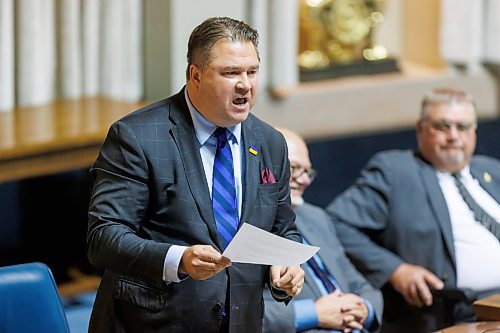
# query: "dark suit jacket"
{"points": [[150, 192], [316, 227], [396, 212]]}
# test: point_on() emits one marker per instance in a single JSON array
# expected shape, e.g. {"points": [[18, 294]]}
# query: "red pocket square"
{"points": [[267, 177]]}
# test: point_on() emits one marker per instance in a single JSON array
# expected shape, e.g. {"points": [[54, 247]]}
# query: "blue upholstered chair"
{"points": [[29, 301]]}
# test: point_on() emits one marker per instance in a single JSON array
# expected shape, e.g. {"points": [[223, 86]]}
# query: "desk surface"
{"points": [[479, 327], [57, 137]]}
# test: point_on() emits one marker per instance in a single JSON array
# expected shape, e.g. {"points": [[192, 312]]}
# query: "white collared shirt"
{"points": [[476, 248]]}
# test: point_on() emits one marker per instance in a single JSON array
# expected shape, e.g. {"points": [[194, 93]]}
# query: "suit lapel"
{"points": [[317, 235], [438, 204], [251, 171], [488, 183], [312, 238], [185, 138]]}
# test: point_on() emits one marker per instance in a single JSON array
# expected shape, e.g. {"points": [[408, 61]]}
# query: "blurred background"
{"points": [[348, 75]]}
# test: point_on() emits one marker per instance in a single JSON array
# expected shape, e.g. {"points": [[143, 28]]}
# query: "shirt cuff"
{"points": [[371, 315], [305, 314], [171, 264]]}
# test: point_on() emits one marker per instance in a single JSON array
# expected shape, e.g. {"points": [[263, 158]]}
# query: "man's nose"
{"points": [[304, 179], [244, 82], [452, 132]]}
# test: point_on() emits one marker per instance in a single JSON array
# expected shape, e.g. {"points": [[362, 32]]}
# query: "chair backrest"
{"points": [[29, 301]]}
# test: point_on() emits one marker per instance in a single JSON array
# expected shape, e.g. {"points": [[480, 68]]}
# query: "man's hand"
{"points": [[354, 310], [202, 262], [290, 279], [414, 283], [329, 311], [339, 311]]}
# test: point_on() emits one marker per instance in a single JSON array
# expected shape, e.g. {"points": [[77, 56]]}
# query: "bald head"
{"points": [[293, 139], [298, 154]]}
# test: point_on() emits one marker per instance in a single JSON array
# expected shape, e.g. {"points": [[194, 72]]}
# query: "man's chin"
{"points": [[454, 160], [297, 200]]}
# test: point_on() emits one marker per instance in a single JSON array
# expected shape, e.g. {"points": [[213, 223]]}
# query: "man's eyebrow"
{"points": [[239, 67]]}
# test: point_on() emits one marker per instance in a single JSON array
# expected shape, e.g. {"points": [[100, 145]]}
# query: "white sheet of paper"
{"points": [[256, 246]]}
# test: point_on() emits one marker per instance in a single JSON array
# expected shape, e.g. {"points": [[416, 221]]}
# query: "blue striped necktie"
{"points": [[322, 274], [223, 190]]}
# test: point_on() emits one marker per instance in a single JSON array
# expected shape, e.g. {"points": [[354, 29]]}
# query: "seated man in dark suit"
{"points": [[411, 222], [345, 301]]}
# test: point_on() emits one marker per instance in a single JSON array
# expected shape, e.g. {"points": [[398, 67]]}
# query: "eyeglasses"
{"points": [[445, 126], [298, 171]]}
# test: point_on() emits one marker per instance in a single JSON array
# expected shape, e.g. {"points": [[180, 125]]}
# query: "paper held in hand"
{"points": [[256, 246]]}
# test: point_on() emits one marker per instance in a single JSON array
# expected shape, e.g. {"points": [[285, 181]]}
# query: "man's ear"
{"points": [[419, 126], [194, 74]]}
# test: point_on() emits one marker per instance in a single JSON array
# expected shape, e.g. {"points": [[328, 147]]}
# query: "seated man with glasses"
{"points": [[335, 297], [424, 225]]}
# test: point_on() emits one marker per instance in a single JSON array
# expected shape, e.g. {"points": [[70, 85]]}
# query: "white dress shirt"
{"points": [[476, 249]]}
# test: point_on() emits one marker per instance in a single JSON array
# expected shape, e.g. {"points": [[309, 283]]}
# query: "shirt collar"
{"points": [[203, 128], [465, 172]]}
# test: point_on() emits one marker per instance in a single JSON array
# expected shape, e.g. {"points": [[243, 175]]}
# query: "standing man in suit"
{"points": [[407, 227], [354, 304], [173, 182]]}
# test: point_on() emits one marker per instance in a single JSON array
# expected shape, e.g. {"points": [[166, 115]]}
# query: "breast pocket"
{"points": [[266, 205], [269, 192]]}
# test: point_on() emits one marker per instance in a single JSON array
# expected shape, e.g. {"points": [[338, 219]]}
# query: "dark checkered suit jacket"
{"points": [[150, 192]]}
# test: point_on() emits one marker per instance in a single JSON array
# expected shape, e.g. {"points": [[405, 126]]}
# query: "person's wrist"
{"points": [[181, 272], [365, 312]]}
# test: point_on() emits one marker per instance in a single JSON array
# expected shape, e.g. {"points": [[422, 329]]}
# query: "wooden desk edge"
{"points": [[64, 153], [47, 163]]}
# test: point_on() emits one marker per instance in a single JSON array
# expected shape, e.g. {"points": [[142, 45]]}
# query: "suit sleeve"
{"points": [[284, 224], [359, 214], [118, 206], [278, 317]]}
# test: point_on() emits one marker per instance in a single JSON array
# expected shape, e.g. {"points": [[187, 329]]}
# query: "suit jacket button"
{"points": [[217, 307]]}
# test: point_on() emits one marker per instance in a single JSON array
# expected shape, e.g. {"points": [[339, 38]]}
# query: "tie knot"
{"points": [[457, 176], [220, 135]]}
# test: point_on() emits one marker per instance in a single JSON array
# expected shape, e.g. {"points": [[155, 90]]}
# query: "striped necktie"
{"points": [[322, 274], [479, 214], [224, 201]]}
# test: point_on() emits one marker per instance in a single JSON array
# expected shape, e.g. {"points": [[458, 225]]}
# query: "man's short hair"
{"points": [[205, 35], [444, 96]]}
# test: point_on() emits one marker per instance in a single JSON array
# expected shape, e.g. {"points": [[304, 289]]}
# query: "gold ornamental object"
{"points": [[338, 32]]}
